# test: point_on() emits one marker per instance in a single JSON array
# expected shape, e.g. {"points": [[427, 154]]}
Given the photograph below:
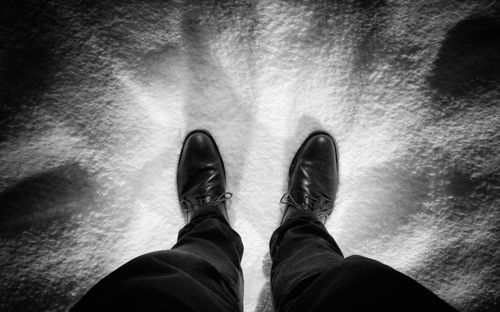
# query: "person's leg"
{"points": [[309, 272], [301, 250], [202, 271]]}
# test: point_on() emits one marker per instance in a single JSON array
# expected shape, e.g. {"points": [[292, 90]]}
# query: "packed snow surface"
{"points": [[97, 96]]}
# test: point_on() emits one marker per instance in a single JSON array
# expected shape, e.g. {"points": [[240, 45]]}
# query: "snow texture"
{"points": [[97, 96]]}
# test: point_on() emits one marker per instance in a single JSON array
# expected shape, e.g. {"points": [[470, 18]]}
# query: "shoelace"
{"points": [[322, 206], [212, 201]]}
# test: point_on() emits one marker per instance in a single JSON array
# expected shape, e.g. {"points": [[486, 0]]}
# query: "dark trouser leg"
{"points": [[201, 272], [309, 273]]}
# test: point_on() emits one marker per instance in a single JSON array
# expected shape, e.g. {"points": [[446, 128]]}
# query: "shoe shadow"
{"points": [[214, 100]]}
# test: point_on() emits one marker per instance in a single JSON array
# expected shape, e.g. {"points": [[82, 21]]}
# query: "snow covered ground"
{"points": [[96, 99]]}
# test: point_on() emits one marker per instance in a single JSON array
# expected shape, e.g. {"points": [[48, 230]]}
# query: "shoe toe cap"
{"points": [[320, 147], [199, 141]]}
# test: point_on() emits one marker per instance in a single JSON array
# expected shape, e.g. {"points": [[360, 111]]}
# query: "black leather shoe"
{"points": [[201, 178], [313, 177]]}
